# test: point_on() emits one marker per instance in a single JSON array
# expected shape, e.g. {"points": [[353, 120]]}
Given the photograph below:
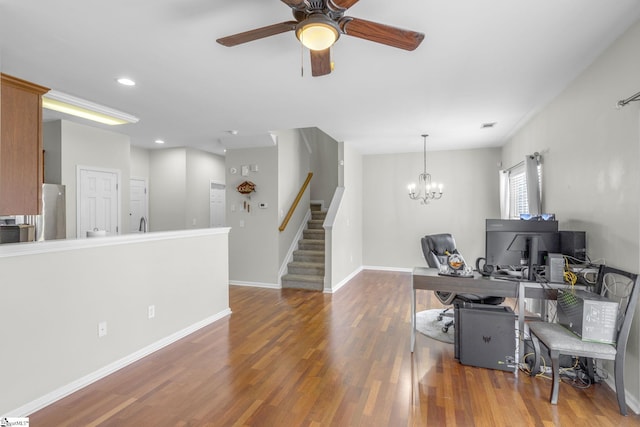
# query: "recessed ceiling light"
{"points": [[487, 125], [159, 141], [232, 132], [126, 81]]}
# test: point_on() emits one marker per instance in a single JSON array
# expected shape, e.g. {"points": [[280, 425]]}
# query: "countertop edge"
{"points": [[30, 248]]}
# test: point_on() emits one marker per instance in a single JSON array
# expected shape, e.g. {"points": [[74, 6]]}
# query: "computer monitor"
{"points": [[509, 242]]}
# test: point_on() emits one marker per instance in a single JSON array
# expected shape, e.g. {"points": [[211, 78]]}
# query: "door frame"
{"points": [[79, 169], [213, 182], [146, 196]]}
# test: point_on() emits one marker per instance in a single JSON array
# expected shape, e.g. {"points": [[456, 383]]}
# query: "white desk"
{"points": [[429, 279]]}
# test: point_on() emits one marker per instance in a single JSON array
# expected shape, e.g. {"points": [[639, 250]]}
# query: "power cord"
{"points": [[569, 276], [575, 375]]}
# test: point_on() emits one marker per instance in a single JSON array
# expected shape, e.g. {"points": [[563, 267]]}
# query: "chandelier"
{"points": [[427, 190]]}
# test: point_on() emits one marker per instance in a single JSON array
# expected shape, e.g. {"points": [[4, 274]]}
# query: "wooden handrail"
{"points": [[294, 205]]}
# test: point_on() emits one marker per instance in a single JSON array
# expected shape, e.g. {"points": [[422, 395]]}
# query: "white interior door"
{"points": [[98, 201], [138, 203], [217, 205]]}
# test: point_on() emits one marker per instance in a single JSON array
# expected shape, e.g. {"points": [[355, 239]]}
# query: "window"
{"points": [[518, 193], [517, 200]]}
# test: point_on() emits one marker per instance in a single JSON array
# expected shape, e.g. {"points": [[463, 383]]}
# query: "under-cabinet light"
{"points": [[68, 104]]}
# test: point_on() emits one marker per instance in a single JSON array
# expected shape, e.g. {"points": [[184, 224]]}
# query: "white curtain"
{"points": [[505, 203], [533, 187]]}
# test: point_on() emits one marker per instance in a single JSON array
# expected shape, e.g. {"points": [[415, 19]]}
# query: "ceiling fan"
{"points": [[319, 23]]}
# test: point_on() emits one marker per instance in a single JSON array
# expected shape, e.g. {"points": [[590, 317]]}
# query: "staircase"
{"points": [[306, 271]]}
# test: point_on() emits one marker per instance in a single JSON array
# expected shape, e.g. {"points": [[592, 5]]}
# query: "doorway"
{"points": [[138, 205], [217, 204], [98, 201]]}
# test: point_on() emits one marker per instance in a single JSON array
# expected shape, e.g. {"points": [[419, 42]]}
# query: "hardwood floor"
{"points": [[299, 358]]}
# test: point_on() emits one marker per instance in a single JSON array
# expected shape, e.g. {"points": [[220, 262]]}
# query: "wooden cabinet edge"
{"points": [[23, 84], [38, 90]]}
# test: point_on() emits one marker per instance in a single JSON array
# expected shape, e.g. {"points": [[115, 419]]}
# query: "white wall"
{"points": [[293, 169], [89, 146], [346, 254], [591, 176], [51, 345], [201, 169], [253, 240], [140, 165], [257, 248], [167, 189], [394, 224], [324, 165], [179, 181]]}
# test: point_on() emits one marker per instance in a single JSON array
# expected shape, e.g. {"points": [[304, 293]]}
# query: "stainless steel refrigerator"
{"points": [[51, 224]]}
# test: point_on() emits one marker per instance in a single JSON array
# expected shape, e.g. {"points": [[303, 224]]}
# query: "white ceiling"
{"points": [[481, 61]]}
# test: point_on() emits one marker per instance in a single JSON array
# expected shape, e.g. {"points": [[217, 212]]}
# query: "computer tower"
{"points": [[485, 336], [588, 315], [574, 245]]}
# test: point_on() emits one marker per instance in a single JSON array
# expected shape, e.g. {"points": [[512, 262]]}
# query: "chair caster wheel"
{"points": [[445, 329], [439, 318]]}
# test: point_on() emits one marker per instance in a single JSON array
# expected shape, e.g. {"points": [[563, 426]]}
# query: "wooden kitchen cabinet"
{"points": [[20, 146]]}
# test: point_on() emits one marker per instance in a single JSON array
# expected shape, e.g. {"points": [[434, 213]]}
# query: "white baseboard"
{"points": [[256, 284], [342, 282], [632, 403], [400, 269], [80, 383]]}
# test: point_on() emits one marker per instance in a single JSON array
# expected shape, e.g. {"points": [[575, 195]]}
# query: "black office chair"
{"points": [[435, 248]]}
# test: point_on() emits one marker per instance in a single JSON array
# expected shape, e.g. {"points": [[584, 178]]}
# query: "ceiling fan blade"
{"points": [[258, 33], [344, 4], [320, 62], [380, 33]]}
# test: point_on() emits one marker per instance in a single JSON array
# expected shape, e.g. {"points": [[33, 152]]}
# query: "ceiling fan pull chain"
{"points": [[301, 60]]}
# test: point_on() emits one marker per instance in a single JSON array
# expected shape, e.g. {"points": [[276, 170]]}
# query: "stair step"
{"points": [[306, 271], [315, 224], [318, 215], [306, 268], [312, 234], [299, 281], [308, 256], [311, 244]]}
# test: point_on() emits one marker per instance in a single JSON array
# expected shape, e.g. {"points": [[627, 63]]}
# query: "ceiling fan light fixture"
{"points": [[317, 32]]}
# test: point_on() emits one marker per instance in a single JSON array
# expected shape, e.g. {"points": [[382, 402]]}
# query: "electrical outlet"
{"points": [[151, 311], [102, 329]]}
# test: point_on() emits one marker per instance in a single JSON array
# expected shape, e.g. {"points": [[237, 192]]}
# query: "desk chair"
{"points": [[616, 285], [435, 248]]}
